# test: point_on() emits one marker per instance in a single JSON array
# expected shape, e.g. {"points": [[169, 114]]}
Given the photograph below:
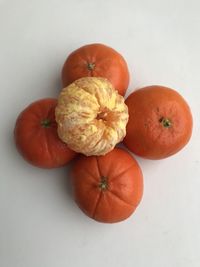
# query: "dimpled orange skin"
{"points": [[36, 136], [108, 188], [97, 60], [160, 122], [91, 116]]}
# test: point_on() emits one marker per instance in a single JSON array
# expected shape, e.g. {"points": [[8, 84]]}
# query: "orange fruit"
{"points": [[108, 188], [97, 60], [36, 136], [160, 122]]}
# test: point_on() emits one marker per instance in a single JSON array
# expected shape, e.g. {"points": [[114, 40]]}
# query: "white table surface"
{"points": [[40, 225]]}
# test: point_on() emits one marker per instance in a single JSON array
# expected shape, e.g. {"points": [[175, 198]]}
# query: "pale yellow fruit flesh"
{"points": [[91, 116]]}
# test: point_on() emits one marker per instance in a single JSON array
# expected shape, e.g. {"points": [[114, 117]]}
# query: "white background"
{"points": [[40, 225]]}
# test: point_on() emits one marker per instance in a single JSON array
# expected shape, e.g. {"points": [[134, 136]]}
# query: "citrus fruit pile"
{"points": [[87, 121]]}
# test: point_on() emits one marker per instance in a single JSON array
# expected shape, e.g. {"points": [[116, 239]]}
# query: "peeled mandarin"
{"points": [[91, 116]]}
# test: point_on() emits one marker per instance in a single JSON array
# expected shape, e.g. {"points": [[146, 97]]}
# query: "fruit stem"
{"points": [[90, 66], [103, 185], [46, 123], [166, 122]]}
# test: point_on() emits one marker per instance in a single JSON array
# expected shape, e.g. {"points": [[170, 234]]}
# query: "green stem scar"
{"points": [[103, 185], [90, 66], [165, 122], [46, 123]]}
